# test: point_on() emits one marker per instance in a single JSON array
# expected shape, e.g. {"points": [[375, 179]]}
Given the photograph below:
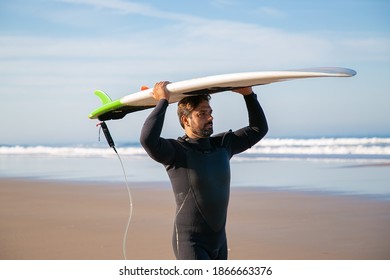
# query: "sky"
{"points": [[55, 53]]}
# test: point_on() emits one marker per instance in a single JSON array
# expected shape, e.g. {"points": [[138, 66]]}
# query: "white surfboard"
{"points": [[143, 99]]}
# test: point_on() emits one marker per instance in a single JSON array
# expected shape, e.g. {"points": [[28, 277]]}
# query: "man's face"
{"points": [[200, 122]]}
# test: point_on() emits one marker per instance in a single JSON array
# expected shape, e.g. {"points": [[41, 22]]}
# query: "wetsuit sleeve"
{"points": [[246, 137], [158, 148]]}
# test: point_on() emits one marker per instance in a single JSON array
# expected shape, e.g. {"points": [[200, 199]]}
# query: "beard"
{"points": [[205, 131]]}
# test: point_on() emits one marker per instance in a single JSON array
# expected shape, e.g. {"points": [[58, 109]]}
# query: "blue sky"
{"points": [[54, 54]]}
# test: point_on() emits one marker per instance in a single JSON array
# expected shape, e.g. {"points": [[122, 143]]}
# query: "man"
{"points": [[199, 170]]}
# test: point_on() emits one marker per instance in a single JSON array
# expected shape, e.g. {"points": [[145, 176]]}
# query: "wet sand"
{"points": [[75, 221]]}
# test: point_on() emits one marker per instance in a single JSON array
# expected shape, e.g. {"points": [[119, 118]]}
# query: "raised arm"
{"points": [[246, 137], [158, 148]]}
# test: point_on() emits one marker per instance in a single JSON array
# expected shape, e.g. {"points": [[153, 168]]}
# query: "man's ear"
{"points": [[185, 121]]}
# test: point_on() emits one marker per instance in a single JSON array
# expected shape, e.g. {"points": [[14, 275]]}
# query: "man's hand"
{"points": [[160, 91], [244, 90]]}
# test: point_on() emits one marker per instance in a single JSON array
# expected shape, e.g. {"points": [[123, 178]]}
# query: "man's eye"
{"points": [[203, 114]]}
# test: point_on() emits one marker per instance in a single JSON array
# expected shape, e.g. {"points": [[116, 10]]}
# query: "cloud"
{"points": [[185, 48], [208, 48], [223, 3], [271, 12], [186, 41], [127, 7], [117, 5], [176, 52], [367, 49], [68, 60]]}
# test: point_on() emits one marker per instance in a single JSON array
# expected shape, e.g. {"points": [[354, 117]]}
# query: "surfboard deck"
{"points": [[117, 109]]}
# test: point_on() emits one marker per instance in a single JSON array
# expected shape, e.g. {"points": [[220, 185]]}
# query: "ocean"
{"points": [[340, 166]]}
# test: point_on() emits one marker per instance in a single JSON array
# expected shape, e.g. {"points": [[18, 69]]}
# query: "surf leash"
{"points": [[111, 143]]}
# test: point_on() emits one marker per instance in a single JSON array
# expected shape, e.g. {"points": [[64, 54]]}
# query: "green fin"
{"points": [[104, 98]]}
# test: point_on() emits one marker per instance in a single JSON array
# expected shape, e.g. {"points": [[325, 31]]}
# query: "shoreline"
{"points": [[63, 220], [167, 186]]}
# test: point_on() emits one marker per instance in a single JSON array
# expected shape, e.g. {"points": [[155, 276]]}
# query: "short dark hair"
{"points": [[188, 104]]}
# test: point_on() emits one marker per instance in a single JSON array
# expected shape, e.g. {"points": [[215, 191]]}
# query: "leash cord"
{"points": [[130, 209], [111, 143]]}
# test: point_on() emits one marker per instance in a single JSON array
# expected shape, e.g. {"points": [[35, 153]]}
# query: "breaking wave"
{"points": [[343, 148], [272, 148]]}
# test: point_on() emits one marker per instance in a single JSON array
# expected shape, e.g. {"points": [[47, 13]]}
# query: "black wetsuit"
{"points": [[199, 171]]}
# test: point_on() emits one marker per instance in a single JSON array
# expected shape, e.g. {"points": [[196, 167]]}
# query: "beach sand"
{"points": [[75, 221]]}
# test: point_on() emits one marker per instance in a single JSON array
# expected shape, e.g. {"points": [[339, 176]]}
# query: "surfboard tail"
{"points": [[113, 109], [107, 105]]}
